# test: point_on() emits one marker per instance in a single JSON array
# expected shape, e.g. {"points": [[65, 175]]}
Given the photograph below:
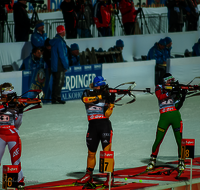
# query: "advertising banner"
{"points": [[77, 79]]}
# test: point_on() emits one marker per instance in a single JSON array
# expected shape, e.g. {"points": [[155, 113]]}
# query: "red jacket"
{"points": [[102, 14], [128, 12]]}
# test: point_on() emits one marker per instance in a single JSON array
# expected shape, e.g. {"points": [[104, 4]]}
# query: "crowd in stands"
{"points": [[80, 15]]}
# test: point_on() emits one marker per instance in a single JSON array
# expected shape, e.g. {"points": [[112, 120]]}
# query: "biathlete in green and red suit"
{"points": [[99, 106], [170, 101]]}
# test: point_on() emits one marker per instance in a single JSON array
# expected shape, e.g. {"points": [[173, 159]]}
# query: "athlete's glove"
{"points": [[105, 95], [112, 98]]}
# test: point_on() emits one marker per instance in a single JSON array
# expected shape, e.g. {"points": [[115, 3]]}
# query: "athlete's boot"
{"points": [[86, 178], [106, 183], [181, 164], [151, 164]]}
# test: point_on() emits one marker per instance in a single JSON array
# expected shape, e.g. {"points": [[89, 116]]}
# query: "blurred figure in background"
{"points": [[22, 21], [68, 8]]}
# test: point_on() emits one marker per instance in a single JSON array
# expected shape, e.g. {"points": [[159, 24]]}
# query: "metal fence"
{"points": [[148, 24]]}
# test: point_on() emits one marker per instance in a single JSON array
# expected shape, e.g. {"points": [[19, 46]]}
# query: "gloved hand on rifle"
{"points": [[20, 108]]}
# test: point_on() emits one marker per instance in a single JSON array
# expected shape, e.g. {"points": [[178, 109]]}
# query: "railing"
{"points": [[151, 23]]}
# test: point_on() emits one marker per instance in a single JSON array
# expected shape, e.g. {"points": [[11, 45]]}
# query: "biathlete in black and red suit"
{"points": [[169, 103], [99, 107]]}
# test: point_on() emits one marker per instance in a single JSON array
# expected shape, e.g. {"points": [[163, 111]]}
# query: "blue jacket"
{"points": [[30, 64], [157, 54], [196, 49], [37, 39], [58, 50], [168, 53], [75, 60]]}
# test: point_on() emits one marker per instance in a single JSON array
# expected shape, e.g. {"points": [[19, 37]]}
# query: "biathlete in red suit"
{"points": [[10, 121], [102, 18], [169, 103], [129, 15], [99, 108]]}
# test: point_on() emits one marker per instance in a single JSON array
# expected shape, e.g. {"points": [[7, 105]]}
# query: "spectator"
{"points": [[68, 8], [102, 18], [38, 78], [168, 47], [59, 63], [39, 36], [192, 15], [129, 15], [75, 59], [33, 61], [22, 21], [47, 54], [157, 52], [117, 57], [196, 49], [175, 14], [85, 18]]}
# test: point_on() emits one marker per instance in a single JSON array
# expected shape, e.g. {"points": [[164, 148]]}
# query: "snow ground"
{"points": [[53, 138]]}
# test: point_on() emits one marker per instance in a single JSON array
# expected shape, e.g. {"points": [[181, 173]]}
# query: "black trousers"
{"points": [[129, 28], [99, 130], [58, 82]]}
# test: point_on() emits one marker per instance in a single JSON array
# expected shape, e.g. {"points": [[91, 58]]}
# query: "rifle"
{"points": [[177, 86], [25, 102], [123, 92]]}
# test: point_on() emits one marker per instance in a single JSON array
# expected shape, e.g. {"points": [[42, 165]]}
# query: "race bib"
{"points": [[4, 118]]}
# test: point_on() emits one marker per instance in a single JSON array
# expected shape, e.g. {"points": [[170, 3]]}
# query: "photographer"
{"points": [[85, 18], [175, 14], [129, 15], [102, 17], [68, 8], [22, 21]]}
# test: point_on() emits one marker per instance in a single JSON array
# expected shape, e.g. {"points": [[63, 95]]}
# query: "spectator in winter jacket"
{"points": [[168, 47], [22, 21], [85, 18], [196, 49], [129, 15], [68, 8], [175, 14], [157, 52], [102, 18], [75, 59], [39, 36], [59, 63], [33, 61], [38, 79], [117, 57]]}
